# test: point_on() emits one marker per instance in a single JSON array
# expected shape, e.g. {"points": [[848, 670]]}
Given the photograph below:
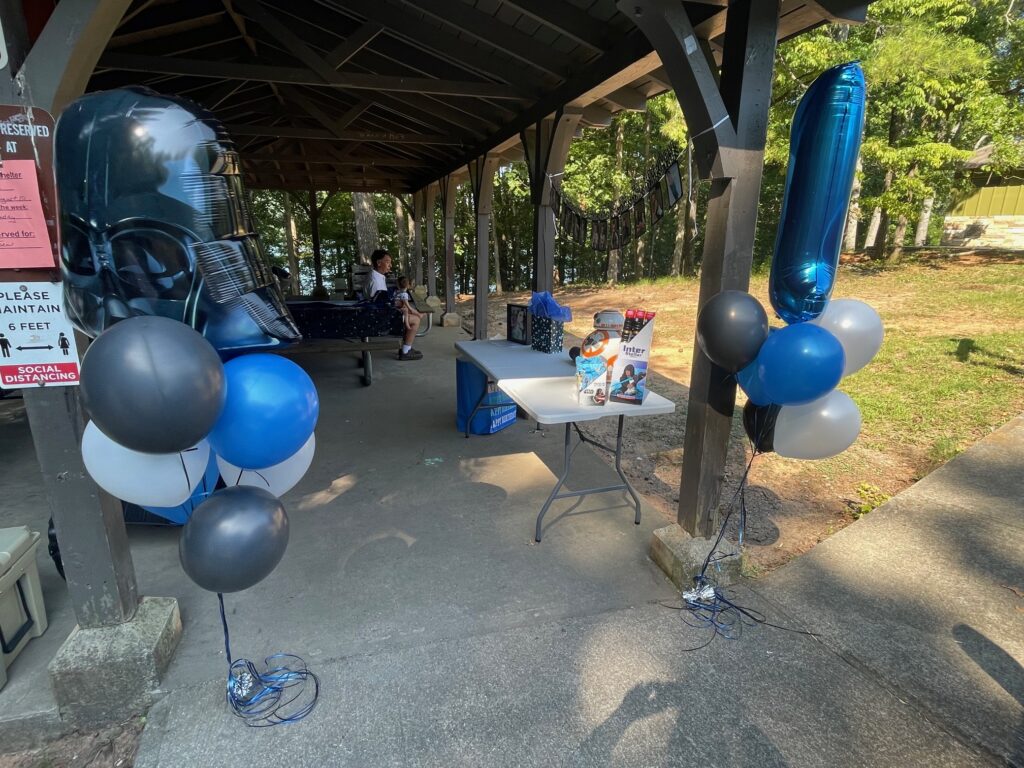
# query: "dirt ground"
{"points": [[113, 747], [791, 505]]}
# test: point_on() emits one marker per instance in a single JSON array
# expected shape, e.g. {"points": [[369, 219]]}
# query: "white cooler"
{"points": [[22, 613]]}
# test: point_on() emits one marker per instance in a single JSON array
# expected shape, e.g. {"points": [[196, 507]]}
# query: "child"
{"points": [[404, 302]]}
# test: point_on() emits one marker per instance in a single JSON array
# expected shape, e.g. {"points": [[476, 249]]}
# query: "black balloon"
{"points": [[759, 424], [153, 385], [574, 352], [731, 328], [234, 539]]}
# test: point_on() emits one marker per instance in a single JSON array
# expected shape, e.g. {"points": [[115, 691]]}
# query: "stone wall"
{"points": [[984, 231]]}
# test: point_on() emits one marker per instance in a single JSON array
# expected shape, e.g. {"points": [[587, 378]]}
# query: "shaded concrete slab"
{"points": [[609, 690], [925, 593]]}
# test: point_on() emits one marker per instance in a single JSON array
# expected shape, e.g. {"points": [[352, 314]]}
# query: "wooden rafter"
{"points": [[384, 137], [353, 44], [490, 31], [297, 76], [568, 20]]}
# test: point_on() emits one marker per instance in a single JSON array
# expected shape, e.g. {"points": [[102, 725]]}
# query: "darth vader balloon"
{"points": [[155, 221]]}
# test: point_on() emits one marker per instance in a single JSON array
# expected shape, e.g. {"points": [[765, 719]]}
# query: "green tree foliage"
{"points": [[945, 77]]}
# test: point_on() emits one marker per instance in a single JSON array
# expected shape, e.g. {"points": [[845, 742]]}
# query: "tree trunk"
{"points": [[883, 226], [924, 222], [366, 225], [314, 226], [612, 275], [900, 234], [638, 252], [853, 214], [680, 241], [873, 226], [290, 234], [898, 238], [686, 222], [402, 236], [498, 283]]}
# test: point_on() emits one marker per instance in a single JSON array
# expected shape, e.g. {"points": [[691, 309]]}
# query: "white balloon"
{"points": [[146, 479], [858, 328], [278, 479], [817, 430]]}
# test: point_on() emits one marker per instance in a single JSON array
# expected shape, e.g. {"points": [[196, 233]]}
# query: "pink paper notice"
{"points": [[24, 240]]}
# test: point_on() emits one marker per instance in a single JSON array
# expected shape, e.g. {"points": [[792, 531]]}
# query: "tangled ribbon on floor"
{"points": [[277, 696], [705, 605]]}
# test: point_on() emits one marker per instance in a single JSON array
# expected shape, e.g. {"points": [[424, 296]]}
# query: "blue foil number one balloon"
{"points": [[823, 148]]}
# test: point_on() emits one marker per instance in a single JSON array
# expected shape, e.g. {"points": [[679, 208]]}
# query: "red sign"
{"points": [[28, 197], [38, 373]]}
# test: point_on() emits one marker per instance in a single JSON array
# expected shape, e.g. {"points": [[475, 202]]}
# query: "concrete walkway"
{"points": [[445, 637]]}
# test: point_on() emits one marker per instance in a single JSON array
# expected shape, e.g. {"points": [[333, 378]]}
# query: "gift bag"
{"points": [[548, 324], [547, 334]]}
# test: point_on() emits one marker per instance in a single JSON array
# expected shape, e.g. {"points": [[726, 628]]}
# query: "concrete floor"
{"points": [[403, 532], [445, 637]]}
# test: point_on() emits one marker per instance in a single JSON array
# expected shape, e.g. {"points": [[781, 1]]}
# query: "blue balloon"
{"points": [[181, 513], [270, 411], [823, 148], [751, 384], [796, 365]]}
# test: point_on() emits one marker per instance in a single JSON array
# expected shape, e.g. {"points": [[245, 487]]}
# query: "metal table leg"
{"points": [[480, 405], [569, 451]]}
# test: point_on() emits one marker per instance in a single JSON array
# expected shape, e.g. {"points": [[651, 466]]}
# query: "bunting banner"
{"points": [[639, 220], [631, 218], [599, 235]]}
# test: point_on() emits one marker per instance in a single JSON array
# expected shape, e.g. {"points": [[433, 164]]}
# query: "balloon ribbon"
{"points": [[277, 696], [705, 605]]}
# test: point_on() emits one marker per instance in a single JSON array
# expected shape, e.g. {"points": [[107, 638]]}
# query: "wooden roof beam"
{"points": [[628, 99], [296, 76], [165, 30], [842, 11], [331, 159], [383, 137], [438, 42], [567, 20], [631, 48], [352, 45], [489, 30]]}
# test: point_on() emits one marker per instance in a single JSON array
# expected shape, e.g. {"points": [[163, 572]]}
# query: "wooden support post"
{"points": [[546, 146], [429, 197], [727, 117], [481, 174], [90, 524]]}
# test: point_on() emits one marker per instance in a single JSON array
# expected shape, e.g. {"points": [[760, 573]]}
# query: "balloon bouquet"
{"points": [[789, 374], [162, 266]]}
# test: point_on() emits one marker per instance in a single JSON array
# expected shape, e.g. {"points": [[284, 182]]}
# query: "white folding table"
{"points": [[544, 386]]}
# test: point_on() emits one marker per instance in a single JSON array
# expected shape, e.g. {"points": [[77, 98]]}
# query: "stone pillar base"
{"points": [[681, 556], [451, 320], [108, 674], [432, 305]]}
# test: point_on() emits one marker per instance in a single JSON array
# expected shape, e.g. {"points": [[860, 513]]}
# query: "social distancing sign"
{"points": [[37, 341]]}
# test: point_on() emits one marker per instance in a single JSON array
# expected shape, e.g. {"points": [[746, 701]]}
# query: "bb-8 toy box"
{"points": [[596, 359]]}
